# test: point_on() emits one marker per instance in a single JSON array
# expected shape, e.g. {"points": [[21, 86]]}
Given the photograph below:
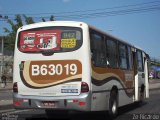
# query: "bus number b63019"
{"points": [[51, 69]]}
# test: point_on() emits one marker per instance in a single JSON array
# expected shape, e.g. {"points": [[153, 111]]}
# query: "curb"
{"points": [[152, 89], [5, 107], [5, 89]]}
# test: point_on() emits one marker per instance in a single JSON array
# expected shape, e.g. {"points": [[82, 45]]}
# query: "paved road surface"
{"points": [[149, 109]]}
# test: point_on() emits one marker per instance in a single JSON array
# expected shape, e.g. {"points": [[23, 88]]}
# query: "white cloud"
{"points": [[66, 1]]}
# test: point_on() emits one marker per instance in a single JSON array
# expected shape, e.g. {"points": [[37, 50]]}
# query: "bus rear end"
{"points": [[51, 67]]}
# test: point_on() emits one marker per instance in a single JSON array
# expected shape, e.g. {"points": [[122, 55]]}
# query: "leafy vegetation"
{"points": [[20, 20]]}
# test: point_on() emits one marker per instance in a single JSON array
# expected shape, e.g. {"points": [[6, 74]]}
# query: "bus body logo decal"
{"points": [[40, 74]]}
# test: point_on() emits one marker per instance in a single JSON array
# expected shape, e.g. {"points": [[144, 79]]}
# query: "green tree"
{"points": [[11, 33], [9, 40], [28, 20], [52, 18]]}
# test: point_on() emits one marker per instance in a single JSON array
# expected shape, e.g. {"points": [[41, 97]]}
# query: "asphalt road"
{"points": [[6, 95], [148, 110]]}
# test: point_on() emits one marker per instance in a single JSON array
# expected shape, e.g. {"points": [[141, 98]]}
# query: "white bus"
{"points": [[66, 65]]}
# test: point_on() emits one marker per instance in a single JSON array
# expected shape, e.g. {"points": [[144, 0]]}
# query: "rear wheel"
{"points": [[113, 104]]}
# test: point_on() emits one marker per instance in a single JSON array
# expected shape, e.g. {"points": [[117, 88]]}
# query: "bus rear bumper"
{"points": [[80, 103]]}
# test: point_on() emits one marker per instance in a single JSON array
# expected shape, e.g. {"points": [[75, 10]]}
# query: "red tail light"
{"points": [[82, 103], [15, 87], [18, 103], [84, 87]]}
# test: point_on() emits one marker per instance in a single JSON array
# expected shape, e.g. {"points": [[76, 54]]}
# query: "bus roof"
{"points": [[109, 35], [65, 23], [49, 23], [116, 38]]}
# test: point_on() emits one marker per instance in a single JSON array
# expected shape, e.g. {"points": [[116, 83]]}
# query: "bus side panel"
{"points": [[104, 80], [101, 95]]}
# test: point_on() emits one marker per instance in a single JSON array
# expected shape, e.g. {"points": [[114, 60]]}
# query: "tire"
{"points": [[113, 104]]}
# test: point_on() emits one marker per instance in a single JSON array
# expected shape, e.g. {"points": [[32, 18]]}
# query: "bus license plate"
{"points": [[48, 104]]}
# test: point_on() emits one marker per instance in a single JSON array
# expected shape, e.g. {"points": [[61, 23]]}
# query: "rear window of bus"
{"points": [[56, 39]]}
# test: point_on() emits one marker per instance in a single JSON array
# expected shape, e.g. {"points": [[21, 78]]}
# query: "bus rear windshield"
{"points": [[57, 39]]}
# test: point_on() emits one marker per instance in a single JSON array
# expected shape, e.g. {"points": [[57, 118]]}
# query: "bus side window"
{"points": [[98, 50], [111, 53], [139, 61], [129, 54], [122, 56]]}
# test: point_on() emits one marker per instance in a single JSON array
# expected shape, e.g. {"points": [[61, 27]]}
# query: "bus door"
{"points": [[146, 71], [138, 72]]}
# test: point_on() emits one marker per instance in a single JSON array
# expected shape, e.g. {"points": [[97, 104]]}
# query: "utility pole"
{"points": [[2, 57]]}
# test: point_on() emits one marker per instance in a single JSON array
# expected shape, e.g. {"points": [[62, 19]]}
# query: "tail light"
{"points": [[15, 87], [18, 103], [84, 87]]}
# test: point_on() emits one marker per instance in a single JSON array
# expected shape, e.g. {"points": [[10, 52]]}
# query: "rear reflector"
{"points": [[18, 103], [84, 87], [15, 87], [82, 103], [75, 101]]}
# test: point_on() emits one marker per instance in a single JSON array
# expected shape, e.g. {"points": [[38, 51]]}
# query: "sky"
{"points": [[134, 21]]}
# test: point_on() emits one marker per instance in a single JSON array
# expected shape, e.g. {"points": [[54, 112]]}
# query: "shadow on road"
{"points": [[130, 107], [123, 113]]}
